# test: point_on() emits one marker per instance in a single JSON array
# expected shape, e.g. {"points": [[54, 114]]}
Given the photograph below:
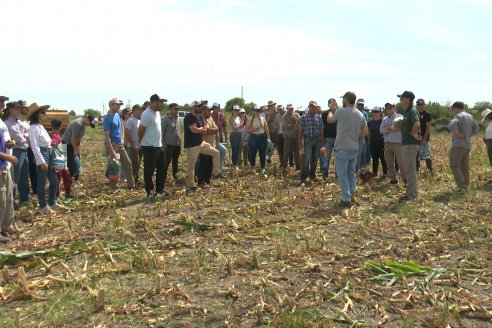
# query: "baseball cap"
{"points": [[195, 103], [420, 101], [313, 102], [257, 108], [172, 105], [236, 107], [204, 101], [92, 120], [115, 101], [388, 105], [407, 94], [4, 98], [350, 96], [289, 106], [360, 101], [242, 111], [155, 97], [376, 109], [215, 105]]}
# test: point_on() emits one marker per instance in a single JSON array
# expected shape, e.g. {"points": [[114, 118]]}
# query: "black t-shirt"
{"points": [[330, 129], [373, 127], [424, 118], [192, 139]]}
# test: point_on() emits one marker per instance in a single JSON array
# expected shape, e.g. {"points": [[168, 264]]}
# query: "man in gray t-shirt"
{"points": [[350, 126], [73, 137]]}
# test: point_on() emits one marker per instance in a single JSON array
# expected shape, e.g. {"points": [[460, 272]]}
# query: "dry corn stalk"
{"points": [[17, 318], [158, 283], [256, 262], [230, 270], [100, 299]]}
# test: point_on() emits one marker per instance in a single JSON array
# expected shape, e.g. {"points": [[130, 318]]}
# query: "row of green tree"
{"points": [[441, 113]]}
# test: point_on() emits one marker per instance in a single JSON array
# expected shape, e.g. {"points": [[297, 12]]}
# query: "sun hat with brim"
{"points": [[485, 113], [34, 108], [242, 111]]}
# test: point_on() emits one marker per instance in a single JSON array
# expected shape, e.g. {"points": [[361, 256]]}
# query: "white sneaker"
{"points": [[58, 206], [46, 210]]}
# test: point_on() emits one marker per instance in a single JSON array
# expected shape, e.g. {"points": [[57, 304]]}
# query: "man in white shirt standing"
{"points": [[131, 135], [150, 139]]}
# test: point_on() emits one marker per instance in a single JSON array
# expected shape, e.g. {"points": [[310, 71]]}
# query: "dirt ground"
{"points": [[256, 250]]}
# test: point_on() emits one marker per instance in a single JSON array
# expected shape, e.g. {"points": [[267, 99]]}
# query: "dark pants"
{"points": [[257, 143], [236, 140], [377, 154], [72, 165], [135, 158], [172, 155], [33, 176], [154, 160], [204, 171], [488, 142]]}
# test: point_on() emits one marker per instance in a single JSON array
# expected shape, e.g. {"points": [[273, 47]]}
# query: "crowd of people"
{"points": [[396, 143]]}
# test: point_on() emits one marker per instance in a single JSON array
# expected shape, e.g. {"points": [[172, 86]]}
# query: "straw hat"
{"points": [[485, 113], [34, 108], [271, 103]]}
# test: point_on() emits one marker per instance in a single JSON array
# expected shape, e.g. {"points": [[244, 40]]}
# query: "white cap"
{"points": [[215, 104], [242, 110], [195, 103], [235, 107]]}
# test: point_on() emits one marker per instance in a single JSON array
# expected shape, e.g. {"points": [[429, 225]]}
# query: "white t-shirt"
{"points": [[6, 137], [488, 131], [152, 122], [132, 124]]}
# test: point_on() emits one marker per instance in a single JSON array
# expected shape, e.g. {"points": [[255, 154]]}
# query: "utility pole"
{"points": [[242, 92]]}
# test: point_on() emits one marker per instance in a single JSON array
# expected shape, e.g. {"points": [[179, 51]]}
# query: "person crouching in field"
{"points": [[64, 174], [6, 190], [487, 115], [462, 127]]}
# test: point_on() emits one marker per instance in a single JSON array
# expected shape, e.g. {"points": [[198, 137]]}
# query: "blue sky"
{"points": [[79, 54]]}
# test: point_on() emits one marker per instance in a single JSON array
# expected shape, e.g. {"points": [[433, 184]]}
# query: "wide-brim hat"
{"points": [[485, 113], [34, 108], [271, 103]]}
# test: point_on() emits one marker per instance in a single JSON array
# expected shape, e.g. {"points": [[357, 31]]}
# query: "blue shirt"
{"points": [[112, 124], [3, 149], [463, 123]]}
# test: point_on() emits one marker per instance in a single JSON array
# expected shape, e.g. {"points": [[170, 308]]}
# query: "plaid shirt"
{"points": [[311, 125]]}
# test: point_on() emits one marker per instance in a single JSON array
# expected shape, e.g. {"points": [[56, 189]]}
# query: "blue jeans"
{"points": [[50, 175], [21, 174], [324, 160], [223, 152], [236, 140], [346, 160], [311, 153], [257, 143]]}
